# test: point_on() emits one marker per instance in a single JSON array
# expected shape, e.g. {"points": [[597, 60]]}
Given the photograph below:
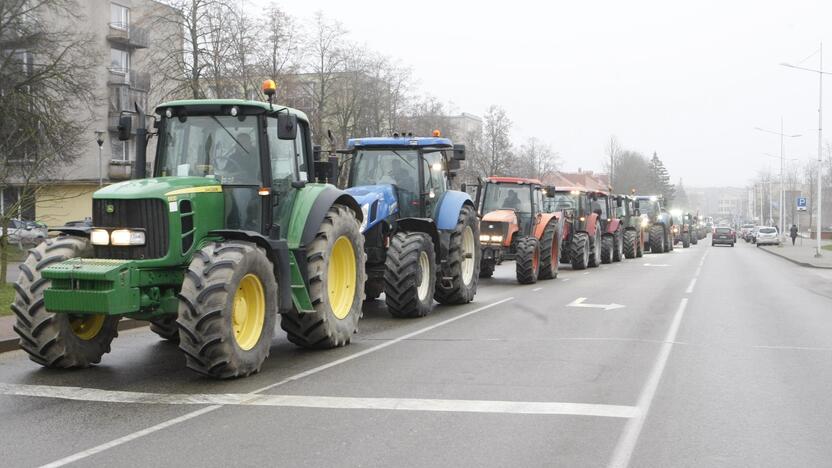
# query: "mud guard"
{"points": [[447, 209]]}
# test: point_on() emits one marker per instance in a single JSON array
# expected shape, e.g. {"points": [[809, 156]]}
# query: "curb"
{"points": [[803, 264], [13, 344]]}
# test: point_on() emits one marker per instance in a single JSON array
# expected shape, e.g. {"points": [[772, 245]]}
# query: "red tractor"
{"points": [[515, 226], [592, 233]]}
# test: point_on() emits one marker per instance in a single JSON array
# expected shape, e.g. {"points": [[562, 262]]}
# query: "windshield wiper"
{"points": [[229, 134]]}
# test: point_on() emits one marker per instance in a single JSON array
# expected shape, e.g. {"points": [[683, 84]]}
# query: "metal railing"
{"points": [[127, 35]]}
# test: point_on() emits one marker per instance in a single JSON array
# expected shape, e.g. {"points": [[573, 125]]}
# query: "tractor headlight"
{"points": [[496, 239], [126, 237], [100, 237], [645, 222], [484, 238]]}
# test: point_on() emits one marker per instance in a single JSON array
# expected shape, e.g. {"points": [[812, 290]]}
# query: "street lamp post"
{"points": [[99, 138], [819, 201], [782, 152]]}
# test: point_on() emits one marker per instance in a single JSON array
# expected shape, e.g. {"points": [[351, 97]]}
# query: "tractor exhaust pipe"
{"points": [[140, 170]]}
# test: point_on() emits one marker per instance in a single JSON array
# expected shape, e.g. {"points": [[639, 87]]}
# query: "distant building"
{"points": [[124, 44], [586, 179]]}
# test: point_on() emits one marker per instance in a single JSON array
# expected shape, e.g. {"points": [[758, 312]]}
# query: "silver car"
{"points": [[25, 232], [767, 235]]}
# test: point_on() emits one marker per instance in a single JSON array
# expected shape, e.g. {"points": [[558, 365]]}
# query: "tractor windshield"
{"points": [[507, 197], [648, 207], [564, 201], [399, 168], [223, 147]]}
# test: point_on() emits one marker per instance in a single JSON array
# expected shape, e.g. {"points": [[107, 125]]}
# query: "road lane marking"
{"points": [[690, 288], [579, 302], [565, 279], [793, 348], [656, 265], [323, 402], [164, 425], [629, 437], [536, 289], [698, 270]]}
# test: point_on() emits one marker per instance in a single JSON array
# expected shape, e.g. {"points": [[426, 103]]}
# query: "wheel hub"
{"points": [[341, 278], [249, 312]]}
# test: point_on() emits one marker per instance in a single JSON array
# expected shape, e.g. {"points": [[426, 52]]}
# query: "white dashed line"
{"points": [[690, 288], [536, 289]]}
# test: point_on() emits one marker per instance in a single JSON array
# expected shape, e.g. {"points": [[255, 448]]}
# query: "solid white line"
{"points": [[696, 273], [323, 402], [690, 288], [565, 279], [629, 438], [122, 440], [536, 289]]}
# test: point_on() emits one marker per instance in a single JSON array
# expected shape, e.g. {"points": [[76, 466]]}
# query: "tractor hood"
{"points": [[504, 216], [158, 187], [378, 202]]}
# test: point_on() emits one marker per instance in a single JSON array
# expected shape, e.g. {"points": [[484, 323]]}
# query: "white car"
{"points": [[25, 232], [767, 235]]}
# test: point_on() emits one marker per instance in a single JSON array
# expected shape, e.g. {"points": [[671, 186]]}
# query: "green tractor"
{"points": [[230, 232]]}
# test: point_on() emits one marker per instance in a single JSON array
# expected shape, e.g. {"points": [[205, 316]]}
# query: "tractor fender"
{"points": [[613, 225], [447, 209], [591, 221], [311, 205], [544, 221], [425, 225], [78, 231], [278, 252], [378, 202]]}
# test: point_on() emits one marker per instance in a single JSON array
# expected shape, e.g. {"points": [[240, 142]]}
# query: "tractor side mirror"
{"points": [[454, 165], [125, 127], [550, 191], [287, 126], [316, 152], [459, 152], [327, 170], [463, 187]]}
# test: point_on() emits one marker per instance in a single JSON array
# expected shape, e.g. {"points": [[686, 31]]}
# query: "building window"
{"points": [[119, 16], [120, 149], [119, 61]]}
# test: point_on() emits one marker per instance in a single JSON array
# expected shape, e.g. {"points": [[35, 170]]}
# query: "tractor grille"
{"points": [[148, 214]]}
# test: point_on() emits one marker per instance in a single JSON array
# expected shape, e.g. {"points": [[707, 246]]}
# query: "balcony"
{"points": [[127, 36], [123, 170], [136, 80], [112, 123]]}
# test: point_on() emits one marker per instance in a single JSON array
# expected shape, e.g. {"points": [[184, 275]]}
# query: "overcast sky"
{"points": [[690, 82]]}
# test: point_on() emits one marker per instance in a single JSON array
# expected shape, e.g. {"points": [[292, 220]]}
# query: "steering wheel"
{"points": [[232, 166]]}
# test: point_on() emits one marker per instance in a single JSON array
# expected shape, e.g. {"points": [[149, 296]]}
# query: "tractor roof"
{"points": [[399, 142], [514, 180], [218, 103], [564, 188]]}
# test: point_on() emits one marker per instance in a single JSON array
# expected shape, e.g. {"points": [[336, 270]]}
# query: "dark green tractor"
{"points": [[228, 234]]}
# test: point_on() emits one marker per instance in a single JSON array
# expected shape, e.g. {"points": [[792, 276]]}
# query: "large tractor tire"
{"points": [[527, 261], [550, 251], [595, 248], [630, 244], [166, 328], [607, 246], [639, 245], [618, 250], [694, 239], [335, 265], [685, 241], [373, 289], [463, 263], [657, 240], [227, 310], [487, 268], [57, 340], [580, 251], [409, 281]]}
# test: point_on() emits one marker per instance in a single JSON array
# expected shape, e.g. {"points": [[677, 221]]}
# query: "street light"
{"points": [[820, 73], [782, 151], [99, 138]]}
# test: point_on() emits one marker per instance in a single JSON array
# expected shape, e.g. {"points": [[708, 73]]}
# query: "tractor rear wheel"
{"points": [[685, 240], [463, 263], [227, 310], [580, 251], [595, 248], [639, 245], [630, 247], [527, 261], [335, 265], [57, 340], [409, 281], [657, 239], [550, 251], [487, 268], [607, 246], [166, 328], [618, 250]]}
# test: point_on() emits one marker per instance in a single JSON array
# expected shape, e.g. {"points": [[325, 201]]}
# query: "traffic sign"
{"points": [[802, 203]]}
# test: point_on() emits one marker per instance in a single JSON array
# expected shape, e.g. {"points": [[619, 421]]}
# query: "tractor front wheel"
{"points": [[685, 240], [607, 246], [227, 310], [527, 260], [618, 250], [57, 340], [657, 239], [463, 263], [630, 241], [580, 251], [595, 248], [487, 268], [335, 263], [409, 281], [550, 251], [166, 328]]}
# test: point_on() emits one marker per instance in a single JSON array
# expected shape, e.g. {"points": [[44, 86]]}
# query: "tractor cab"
{"points": [[511, 204]]}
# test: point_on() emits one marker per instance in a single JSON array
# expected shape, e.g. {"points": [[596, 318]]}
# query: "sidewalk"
{"points": [[802, 253]]}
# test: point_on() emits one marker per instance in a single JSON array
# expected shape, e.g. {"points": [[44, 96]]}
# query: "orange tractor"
{"points": [[515, 226]]}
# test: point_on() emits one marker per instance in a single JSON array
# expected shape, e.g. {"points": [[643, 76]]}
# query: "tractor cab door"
{"points": [[288, 163], [434, 181], [537, 207]]}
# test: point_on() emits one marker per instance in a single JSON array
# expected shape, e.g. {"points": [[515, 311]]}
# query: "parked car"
{"points": [[745, 232], [723, 235], [767, 235], [25, 232]]}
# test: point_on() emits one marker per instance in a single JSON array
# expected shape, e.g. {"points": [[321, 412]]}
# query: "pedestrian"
{"points": [[793, 232]]}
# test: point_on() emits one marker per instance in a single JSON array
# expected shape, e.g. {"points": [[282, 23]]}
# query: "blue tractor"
{"points": [[422, 239]]}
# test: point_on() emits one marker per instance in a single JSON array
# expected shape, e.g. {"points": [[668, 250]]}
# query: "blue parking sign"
{"points": [[802, 203]]}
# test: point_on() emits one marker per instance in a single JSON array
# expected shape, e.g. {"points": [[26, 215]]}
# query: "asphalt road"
{"points": [[719, 357]]}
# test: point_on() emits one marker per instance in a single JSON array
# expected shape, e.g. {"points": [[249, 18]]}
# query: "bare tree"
{"points": [[281, 52], [536, 160], [325, 47], [613, 150], [44, 69], [497, 151]]}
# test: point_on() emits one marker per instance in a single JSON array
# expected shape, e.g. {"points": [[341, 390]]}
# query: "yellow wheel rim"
{"points": [[249, 312], [341, 278], [86, 327]]}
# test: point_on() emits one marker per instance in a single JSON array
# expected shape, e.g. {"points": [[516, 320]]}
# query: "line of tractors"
{"points": [[245, 223]]}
